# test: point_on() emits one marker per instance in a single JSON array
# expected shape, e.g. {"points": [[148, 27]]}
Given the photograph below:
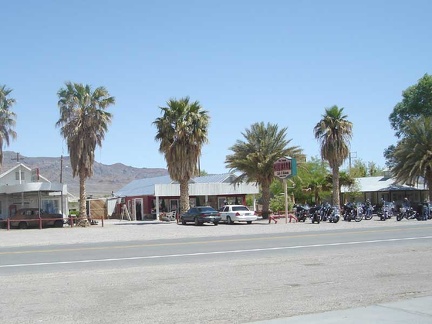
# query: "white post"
{"points": [[286, 199], [157, 207]]}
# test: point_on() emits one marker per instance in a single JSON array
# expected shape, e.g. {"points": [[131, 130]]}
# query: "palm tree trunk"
{"points": [[184, 196], [265, 200], [336, 198], [82, 221], [428, 177]]}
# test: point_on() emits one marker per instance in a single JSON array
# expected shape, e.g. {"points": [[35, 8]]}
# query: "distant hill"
{"points": [[105, 180]]}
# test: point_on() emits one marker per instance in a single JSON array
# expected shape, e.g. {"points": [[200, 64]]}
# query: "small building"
{"points": [[147, 198], [22, 187], [384, 188]]}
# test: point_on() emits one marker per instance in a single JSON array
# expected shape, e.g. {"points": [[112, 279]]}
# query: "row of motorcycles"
{"points": [[388, 209], [357, 211], [317, 214]]}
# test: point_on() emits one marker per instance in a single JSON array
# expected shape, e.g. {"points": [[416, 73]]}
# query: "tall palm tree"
{"points": [[413, 154], [182, 131], [83, 123], [254, 158], [7, 119], [334, 133]]}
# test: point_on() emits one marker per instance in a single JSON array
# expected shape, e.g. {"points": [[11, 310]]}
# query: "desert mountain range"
{"points": [[105, 180]]}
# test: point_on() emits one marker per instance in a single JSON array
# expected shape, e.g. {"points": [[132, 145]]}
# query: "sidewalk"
{"points": [[416, 310]]}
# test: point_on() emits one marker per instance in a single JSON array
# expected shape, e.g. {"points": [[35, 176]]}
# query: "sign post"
{"points": [[285, 168]]}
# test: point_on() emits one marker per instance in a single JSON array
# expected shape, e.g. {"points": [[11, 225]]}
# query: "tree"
{"points": [[413, 153], [182, 131], [334, 133], [83, 123], [416, 102], [363, 169], [254, 157], [7, 119]]}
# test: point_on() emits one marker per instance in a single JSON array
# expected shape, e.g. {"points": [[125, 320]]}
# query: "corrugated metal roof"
{"points": [[146, 186], [142, 187], [213, 178], [372, 184]]}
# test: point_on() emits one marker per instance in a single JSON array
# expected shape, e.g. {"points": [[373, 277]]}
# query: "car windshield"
{"points": [[240, 208], [206, 209]]}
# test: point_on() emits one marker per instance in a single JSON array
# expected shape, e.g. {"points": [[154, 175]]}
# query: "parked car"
{"points": [[200, 215], [237, 213], [30, 217]]}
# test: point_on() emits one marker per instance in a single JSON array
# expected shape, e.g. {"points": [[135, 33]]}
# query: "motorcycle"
{"points": [[302, 212], [325, 211], [353, 212], [334, 215], [368, 211], [408, 213], [387, 211], [314, 214]]}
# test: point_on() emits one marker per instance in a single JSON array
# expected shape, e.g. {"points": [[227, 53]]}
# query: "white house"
{"points": [[22, 187]]}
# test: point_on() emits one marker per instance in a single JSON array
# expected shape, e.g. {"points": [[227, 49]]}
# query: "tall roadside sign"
{"points": [[285, 168]]}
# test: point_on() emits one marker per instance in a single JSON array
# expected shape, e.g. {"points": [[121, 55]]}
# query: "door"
{"points": [[139, 212]]}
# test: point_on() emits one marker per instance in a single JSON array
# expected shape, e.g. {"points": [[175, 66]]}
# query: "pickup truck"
{"points": [[30, 217]]}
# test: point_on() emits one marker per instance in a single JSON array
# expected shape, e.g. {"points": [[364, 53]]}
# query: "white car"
{"points": [[237, 213]]}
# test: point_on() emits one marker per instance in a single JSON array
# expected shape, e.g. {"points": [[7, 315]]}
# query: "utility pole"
{"points": [[61, 169], [17, 158], [352, 156]]}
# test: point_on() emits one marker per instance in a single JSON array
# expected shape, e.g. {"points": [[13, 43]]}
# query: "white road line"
{"points": [[213, 253]]}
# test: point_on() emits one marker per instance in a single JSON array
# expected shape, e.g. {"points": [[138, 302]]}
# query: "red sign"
{"points": [[282, 168]]}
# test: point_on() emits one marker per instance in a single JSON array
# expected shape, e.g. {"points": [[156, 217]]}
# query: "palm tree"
{"points": [[334, 133], [182, 131], [83, 123], [413, 154], [7, 119], [254, 158]]}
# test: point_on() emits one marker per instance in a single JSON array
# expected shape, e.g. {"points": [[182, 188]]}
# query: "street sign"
{"points": [[285, 168]]}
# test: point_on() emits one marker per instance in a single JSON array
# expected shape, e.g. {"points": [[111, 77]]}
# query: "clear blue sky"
{"points": [[245, 61]]}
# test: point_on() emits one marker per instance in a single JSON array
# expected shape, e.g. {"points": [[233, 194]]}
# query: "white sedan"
{"points": [[237, 213]]}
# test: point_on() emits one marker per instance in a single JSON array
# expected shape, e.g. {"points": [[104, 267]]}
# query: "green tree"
{"points": [[316, 179], [413, 153], [254, 157], [334, 133], [7, 119], [83, 123], [182, 131], [416, 102], [362, 169]]}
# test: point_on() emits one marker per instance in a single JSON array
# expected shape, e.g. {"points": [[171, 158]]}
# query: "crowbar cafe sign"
{"points": [[285, 167]]}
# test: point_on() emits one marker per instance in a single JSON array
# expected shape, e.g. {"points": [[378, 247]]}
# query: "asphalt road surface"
{"points": [[227, 279]]}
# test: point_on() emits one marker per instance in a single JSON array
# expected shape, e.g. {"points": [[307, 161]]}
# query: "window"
{"points": [[51, 206], [17, 175]]}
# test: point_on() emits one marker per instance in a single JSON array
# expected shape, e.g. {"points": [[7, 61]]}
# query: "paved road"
{"points": [[218, 279]]}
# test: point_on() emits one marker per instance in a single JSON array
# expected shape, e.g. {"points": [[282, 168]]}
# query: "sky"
{"points": [[246, 61]]}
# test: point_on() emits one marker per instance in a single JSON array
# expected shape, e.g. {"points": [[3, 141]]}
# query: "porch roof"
{"points": [[149, 186], [373, 184]]}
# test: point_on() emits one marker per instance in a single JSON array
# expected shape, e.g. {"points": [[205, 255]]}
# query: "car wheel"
{"points": [[183, 222], [58, 223], [215, 223], [249, 222], [229, 221], [196, 221], [22, 225]]}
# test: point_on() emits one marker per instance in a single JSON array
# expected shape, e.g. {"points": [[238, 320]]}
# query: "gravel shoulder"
{"points": [[117, 230]]}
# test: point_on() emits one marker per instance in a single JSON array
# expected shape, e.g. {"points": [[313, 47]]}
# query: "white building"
{"points": [[22, 187]]}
